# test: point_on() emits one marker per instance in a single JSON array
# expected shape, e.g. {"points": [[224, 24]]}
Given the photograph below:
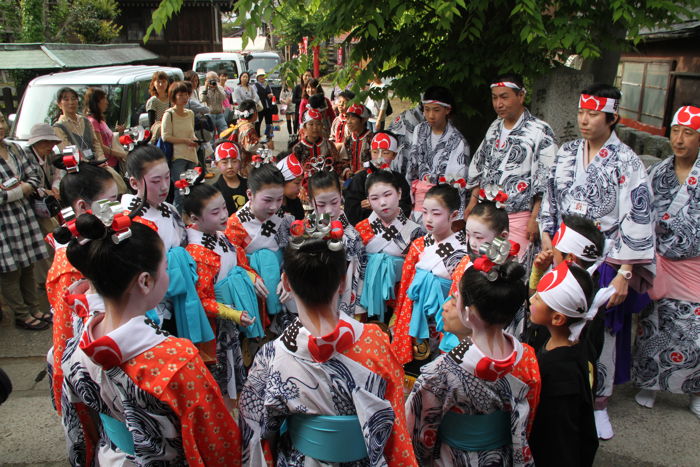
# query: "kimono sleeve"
{"points": [[236, 233], [79, 428], [548, 217], [402, 342], [413, 155], [207, 269], [636, 237], [476, 165], [543, 157]]}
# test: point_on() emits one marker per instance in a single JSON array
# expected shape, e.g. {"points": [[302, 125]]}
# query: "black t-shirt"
{"points": [[235, 197], [293, 207]]}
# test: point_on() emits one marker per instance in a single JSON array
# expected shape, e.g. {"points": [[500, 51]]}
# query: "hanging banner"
{"points": [[340, 56], [305, 42]]}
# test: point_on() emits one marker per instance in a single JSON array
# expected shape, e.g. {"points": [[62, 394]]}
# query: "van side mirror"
{"points": [[11, 119], [143, 120]]}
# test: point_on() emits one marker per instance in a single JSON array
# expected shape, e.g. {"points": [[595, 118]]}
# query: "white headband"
{"points": [[432, 101], [560, 290], [687, 116], [506, 84], [244, 113], [567, 240], [385, 141]]}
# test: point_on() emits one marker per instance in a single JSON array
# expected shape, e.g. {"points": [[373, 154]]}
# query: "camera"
{"points": [[212, 82], [47, 206]]}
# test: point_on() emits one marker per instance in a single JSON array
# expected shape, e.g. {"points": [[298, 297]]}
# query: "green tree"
{"points": [[32, 12]]}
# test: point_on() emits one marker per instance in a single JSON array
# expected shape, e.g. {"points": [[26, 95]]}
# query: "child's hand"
{"points": [[284, 295], [364, 204], [246, 320], [260, 288], [543, 260]]}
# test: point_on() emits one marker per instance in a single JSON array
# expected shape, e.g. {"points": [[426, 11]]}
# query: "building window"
{"points": [[644, 86]]}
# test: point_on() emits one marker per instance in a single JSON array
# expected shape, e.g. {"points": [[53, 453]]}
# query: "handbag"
{"points": [[164, 146]]}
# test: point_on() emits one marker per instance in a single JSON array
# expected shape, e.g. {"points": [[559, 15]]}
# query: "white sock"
{"points": [[602, 424], [695, 405], [646, 398]]}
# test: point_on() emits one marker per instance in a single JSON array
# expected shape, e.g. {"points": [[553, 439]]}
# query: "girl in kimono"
{"points": [[127, 383], [326, 198], [313, 149], [245, 133], [386, 235], [224, 284], [79, 188], [427, 275], [602, 179], [261, 230], [564, 431], [328, 391], [474, 405], [438, 149], [668, 350], [357, 146], [339, 126]]}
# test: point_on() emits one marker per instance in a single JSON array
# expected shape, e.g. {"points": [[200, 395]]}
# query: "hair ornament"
{"points": [[493, 255], [71, 159], [495, 194], [317, 228], [112, 216], [133, 136], [244, 113], [263, 156], [69, 225], [455, 182], [188, 179], [372, 167], [318, 164]]}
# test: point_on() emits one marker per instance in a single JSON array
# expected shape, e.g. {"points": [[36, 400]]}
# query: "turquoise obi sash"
{"points": [[118, 434], [328, 438], [237, 291], [428, 293], [449, 341], [190, 318], [469, 432], [268, 264], [382, 273]]}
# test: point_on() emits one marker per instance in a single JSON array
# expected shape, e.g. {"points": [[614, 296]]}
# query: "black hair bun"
{"points": [[513, 271], [90, 227], [62, 235]]}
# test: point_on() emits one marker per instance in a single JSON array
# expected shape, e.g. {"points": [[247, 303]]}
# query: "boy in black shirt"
{"points": [[232, 186]]}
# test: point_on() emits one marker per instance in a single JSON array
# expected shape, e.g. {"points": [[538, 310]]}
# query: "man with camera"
{"points": [[213, 96]]}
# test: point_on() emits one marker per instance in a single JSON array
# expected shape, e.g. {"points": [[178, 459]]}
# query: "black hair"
{"points": [[314, 271], [317, 101], [347, 94], [112, 267], [85, 184], [588, 229], [447, 194], [282, 155], [247, 104], [513, 78], [266, 174], [323, 179], [382, 176], [141, 155], [496, 301], [241, 75], [605, 90], [191, 75], [176, 88], [63, 90], [313, 82], [442, 94], [92, 99], [497, 218], [199, 194]]}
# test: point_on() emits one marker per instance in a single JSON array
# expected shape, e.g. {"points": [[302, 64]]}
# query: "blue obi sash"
{"points": [[428, 293], [469, 432], [118, 434], [381, 274], [268, 264], [190, 318], [237, 291], [328, 438]]}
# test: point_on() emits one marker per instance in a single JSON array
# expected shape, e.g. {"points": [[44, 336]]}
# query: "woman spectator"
{"points": [[313, 87], [96, 104], [228, 102], [192, 77], [297, 96], [178, 129], [74, 129], [158, 103], [21, 242], [244, 91], [214, 96]]}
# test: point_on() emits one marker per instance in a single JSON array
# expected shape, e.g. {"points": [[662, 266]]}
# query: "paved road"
{"points": [[31, 434]]}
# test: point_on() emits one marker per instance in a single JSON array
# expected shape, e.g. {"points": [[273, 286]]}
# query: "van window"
{"points": [[218, 66], [266, 63], [39, 106]]}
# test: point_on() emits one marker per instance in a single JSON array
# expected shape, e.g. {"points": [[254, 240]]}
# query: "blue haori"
{"points": [[476, 432], [381, 274], [328, 438], [449, 341], [428, 292], [118, 434], [268, 264], [190, 318], [237, 291]]}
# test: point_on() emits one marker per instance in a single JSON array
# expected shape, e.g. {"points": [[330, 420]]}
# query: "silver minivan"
{"points": [[126, 87]]}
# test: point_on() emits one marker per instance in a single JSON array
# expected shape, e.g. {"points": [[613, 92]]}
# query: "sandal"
{"points": [[33, 324], [48, 317]]}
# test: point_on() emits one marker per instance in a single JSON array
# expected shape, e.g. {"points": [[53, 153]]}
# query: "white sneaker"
{"points": [[695, 405], [602, 424], [646, 398]]}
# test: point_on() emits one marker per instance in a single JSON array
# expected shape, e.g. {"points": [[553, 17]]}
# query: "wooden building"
{"points": [[195, 29], [662, 74]]}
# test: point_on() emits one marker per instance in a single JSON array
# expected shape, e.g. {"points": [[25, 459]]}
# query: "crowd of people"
{"points": [[368, 296]]}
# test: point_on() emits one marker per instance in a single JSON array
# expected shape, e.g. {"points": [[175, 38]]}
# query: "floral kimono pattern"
{"points": [[520, 165], [668, 346], [351, 371], [157, 387], [466, 381]]}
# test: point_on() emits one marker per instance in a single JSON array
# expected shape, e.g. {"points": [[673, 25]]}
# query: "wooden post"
{"points": [[317, 65]]}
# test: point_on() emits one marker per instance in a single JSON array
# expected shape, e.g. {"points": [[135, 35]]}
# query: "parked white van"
{"points": [[220, 62], [126, 88]]}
